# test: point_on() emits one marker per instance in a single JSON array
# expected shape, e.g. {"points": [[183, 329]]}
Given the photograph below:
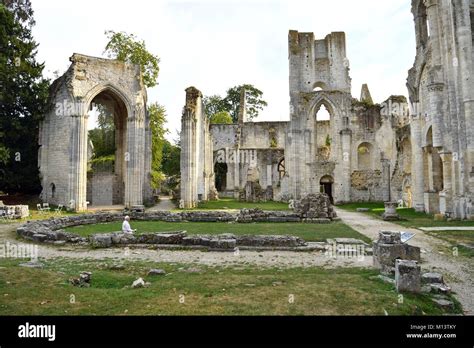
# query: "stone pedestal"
{"points": [[407, 276], [389, 248], [391, 211]]}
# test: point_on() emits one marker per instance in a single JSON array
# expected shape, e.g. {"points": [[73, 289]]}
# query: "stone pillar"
{"points": [[407, 276], [346, 135], [78, 176], [236, 172], [417, 166], [134, 160], [386, 180], [187, 124], [446, 196], [436, 111]]}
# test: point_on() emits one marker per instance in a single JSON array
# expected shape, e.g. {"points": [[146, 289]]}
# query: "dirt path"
{"points": [[458, 271], [165, 204]]}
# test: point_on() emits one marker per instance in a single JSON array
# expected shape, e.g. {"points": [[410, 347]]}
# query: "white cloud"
{"points": [[214, 45]]}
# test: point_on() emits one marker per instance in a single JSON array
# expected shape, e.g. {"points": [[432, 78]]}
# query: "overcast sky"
{"points": [[214, 45]]}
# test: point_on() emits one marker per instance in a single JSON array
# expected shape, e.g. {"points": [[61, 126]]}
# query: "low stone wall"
{"points": [[52, 230], [212, 242]]}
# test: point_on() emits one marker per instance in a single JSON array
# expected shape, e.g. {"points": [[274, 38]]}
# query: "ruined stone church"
{"points": [[419, 151]]}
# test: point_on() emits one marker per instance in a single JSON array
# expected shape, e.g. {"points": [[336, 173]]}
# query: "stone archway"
{"points": [[63, 154], [327, 186]]}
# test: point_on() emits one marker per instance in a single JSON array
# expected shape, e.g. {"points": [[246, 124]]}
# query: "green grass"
{"points": [[309, 232], [213, 291], [410, 218], [232, 204], [456, 239]]}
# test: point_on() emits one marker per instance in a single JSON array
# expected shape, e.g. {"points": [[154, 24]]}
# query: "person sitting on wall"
{"points": [[126, 225]]}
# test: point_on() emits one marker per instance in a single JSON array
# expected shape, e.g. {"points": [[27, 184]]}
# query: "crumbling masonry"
{"points": [[421, 153]]}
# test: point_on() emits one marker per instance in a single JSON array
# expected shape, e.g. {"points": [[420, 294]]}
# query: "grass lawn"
{"points": [[212, 291], [230, 203], [410, 217], [309, 232], [456, 239]]}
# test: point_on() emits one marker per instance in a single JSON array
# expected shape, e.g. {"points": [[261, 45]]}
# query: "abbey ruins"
{"points": [[419, 150]]}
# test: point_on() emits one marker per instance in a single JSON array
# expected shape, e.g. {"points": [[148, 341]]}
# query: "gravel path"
{"points": [[458, 271], [165, 204]]}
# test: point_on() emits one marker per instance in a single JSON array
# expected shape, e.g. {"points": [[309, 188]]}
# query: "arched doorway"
{"points": [[107, 131], [220, 172], [326, 183]]}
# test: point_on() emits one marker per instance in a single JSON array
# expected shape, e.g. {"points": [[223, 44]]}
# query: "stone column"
{"points": [[386, 177], [417, 166], [236, 172], [346, 141], [186, 158], [79, 164], [134, 160], [446, 196]]}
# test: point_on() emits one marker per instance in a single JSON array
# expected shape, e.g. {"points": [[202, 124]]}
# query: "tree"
{"points": [[222, 117], [157, 115], [103, 136], [213, 105], [171, 159], [231, 103], [126, 48], [23, 99], [254, 101]]}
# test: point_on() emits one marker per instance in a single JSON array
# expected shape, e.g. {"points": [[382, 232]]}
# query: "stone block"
{"points": [[407, 276], [101, 240], [432, 278]]}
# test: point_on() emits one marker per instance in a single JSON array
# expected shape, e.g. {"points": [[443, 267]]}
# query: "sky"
{"points": [[214, 45]]}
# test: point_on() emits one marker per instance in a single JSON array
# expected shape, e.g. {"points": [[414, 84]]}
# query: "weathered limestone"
{"points": [[390, 213], [441, 91], [389, 248], [315, 206], [197, 171], [407, 276], [342, 156], [63, 153]]}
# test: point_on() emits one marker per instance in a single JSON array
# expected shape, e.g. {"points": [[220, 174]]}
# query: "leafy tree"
{"points": [[213, 105], [23, 98], [231, 103], [171, 159], [103, 136], [254, 101], [157, 115], [222, 117], [126, 48]]}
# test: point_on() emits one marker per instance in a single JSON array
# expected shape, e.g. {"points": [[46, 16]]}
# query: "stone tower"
{"points": [[319, 75]]}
